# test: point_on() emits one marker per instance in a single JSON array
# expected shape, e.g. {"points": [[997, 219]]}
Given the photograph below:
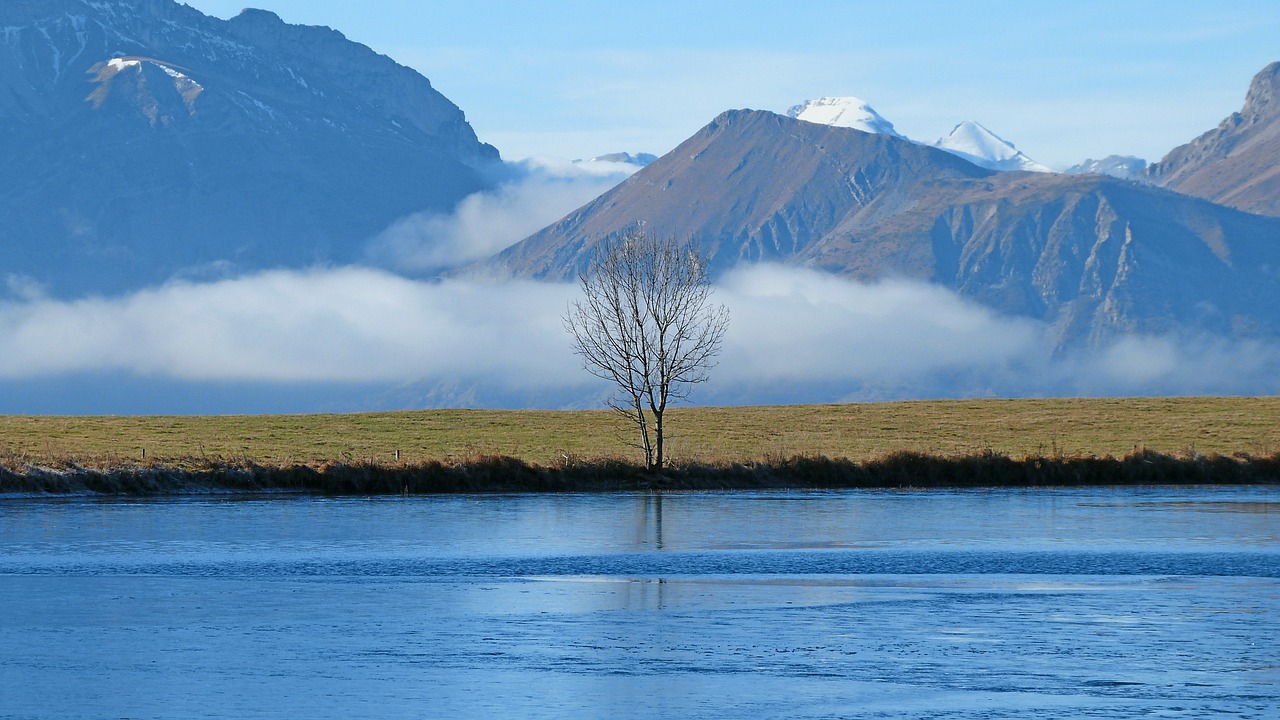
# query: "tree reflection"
{"points": [[649, 526]]}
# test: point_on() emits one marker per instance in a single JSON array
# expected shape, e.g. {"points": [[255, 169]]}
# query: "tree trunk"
{"points": [[657, 432], [646, 443]]}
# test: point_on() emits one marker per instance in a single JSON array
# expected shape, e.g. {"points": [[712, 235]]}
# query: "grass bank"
{"points": [[505, 475], [916, 444]]}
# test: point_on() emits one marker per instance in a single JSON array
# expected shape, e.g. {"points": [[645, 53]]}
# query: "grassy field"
{"points": [[1017, 428]]}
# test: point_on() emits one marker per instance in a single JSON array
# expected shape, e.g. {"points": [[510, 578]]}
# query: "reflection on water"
{"points": [[1056, 603], [649, 524]]}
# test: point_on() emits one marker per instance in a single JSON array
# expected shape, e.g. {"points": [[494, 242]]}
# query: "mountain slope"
{"points": [[983, 148], [144, 140], [1237, 163], [752, 185], [1091, 254]]}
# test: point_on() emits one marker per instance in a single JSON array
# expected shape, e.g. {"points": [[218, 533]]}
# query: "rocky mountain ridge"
{"points": [[1237, 163], [1092, 255], [145, 141]]}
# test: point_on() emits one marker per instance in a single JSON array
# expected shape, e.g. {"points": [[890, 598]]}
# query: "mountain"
{"points": [[752, 185], [1091, 254], [968, 140], [1126, 167], [639, 159], [1237, 163], [847, 112], [983, 148], [143, 140]]}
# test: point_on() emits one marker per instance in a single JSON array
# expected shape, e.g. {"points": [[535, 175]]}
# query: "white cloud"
{"points": [[795, 335], [25, 287], [347, 325], [536, 193], [803, 325], [1177, 364]]}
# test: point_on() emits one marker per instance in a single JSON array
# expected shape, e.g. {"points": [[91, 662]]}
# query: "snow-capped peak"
{"points": [[850, 112], [980, 146]]}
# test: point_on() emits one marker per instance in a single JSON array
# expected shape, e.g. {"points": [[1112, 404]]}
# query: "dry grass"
{"points": [[946, 429], [495, 474]]}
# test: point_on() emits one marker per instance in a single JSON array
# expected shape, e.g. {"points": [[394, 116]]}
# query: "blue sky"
{"points": [[1063, 81]]}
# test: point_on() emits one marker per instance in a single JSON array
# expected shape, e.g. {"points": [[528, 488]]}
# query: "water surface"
{"points": [[1111, 603]]}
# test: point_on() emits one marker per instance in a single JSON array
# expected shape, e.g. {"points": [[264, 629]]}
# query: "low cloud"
{"points": [[807, 326], [348, 325], [531, 195], [1177, 364], [25, 287], [795, 335], [817, 337]]}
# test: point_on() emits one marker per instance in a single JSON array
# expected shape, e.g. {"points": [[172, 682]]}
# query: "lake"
{"points": [[1049, 603]]}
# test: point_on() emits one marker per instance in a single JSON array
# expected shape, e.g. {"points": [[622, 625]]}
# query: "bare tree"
{"points": [[646, 323]]}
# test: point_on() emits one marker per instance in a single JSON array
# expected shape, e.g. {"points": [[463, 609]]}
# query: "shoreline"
{"points": [[500, 474]]}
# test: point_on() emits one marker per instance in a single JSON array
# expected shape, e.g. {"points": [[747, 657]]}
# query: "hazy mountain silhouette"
{"points": [[1126, 167], [144, 140]]}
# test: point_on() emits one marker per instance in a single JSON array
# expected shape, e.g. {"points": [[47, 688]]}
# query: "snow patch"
{"points": [[261, 106], [610, 161], [182, 82], [104, 7], [983, 148], [189, 90], [177, 75], [301, 81], [1122, 166], [850, 112], [119, 64], [57, 53]]}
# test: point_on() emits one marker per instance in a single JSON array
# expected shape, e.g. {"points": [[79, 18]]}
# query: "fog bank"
{"points": [[389, 342]]}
